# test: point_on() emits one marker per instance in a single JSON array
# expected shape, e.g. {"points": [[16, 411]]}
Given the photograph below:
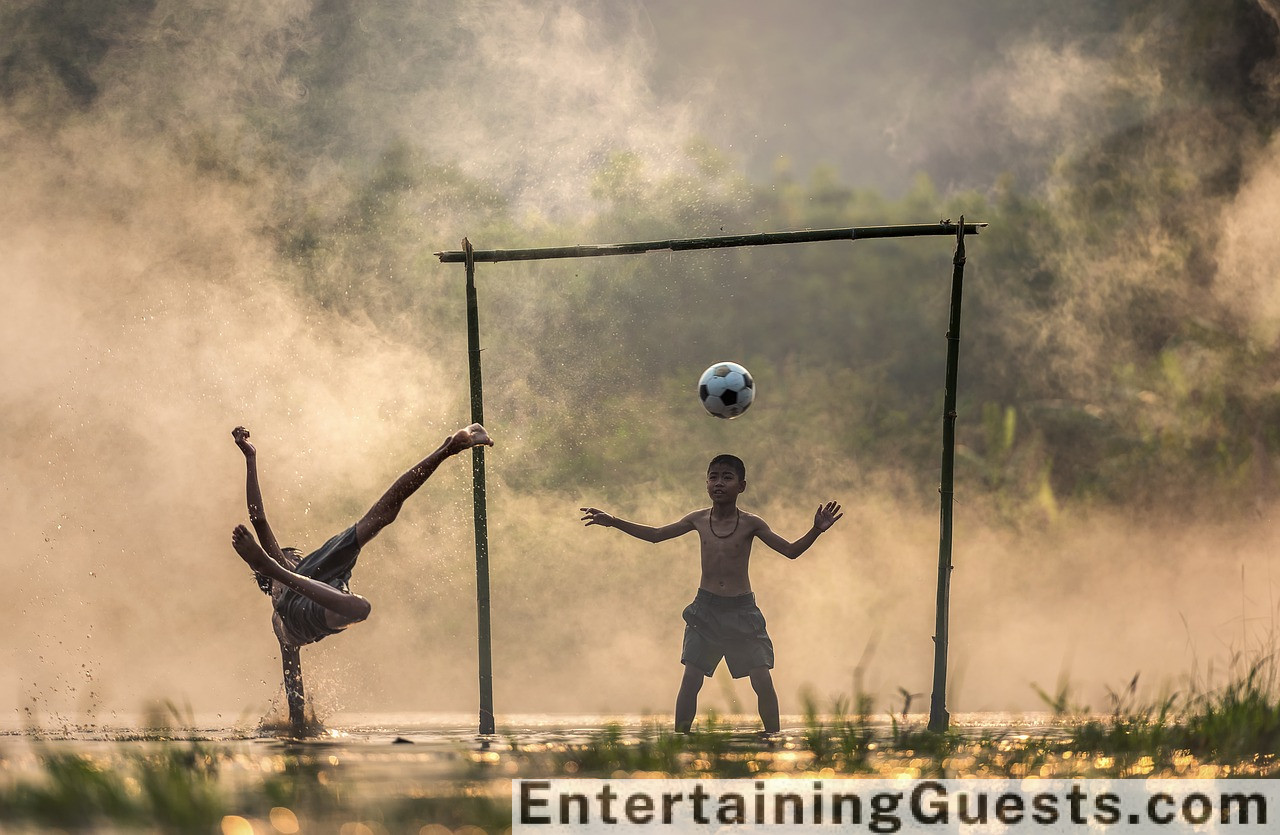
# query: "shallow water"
{"points": [[460, 731], [390, 753], [413, 772]]}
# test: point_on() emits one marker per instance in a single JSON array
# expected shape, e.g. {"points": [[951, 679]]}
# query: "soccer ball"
{"points": [[726, 390]]}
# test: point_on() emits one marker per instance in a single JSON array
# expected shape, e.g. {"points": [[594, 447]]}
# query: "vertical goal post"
{"points": [[939, 718]]}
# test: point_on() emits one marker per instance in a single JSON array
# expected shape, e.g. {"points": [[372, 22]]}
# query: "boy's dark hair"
{"points": [[734, 463]]}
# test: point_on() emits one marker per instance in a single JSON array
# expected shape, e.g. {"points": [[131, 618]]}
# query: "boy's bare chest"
{"points": [[726, 550], [724, 564]]}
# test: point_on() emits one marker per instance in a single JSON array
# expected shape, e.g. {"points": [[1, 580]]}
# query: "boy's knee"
{"points": [[761, 678], [693, 677], [359, 609], [370, 525], [353, 610]]}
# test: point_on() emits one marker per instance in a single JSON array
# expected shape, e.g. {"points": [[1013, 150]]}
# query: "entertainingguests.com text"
{"points": [[893, 806]]}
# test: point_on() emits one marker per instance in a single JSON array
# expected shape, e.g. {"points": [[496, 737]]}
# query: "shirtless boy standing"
{"points": [[309, 595], [723, 620]]}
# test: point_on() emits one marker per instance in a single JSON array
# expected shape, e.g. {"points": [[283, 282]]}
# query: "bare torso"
{"points": [[726, 550]]}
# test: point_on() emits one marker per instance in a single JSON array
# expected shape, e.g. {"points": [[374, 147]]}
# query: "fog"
{"points": [[151, 308]]}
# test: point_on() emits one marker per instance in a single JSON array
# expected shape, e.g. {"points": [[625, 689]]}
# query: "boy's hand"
{"points": [[592, 516], [241, 436], [826, 516]]}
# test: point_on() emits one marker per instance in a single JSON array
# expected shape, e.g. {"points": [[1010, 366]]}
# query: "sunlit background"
{"points": [[225, 213]]}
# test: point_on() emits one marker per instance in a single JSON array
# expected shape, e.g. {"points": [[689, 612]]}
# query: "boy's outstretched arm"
{"points": [[823, 519], [594, 516], [253, 496]]}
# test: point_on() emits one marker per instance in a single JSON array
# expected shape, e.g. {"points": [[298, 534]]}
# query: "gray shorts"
{"points": [[731, 628], [331, 564]]}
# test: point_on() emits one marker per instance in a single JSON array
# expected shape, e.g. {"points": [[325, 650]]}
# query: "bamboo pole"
{"points": [[682, 244], [478, 500], [939, 718]]}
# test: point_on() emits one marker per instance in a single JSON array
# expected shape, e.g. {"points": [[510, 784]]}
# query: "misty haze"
{"points": [[227, 214]]}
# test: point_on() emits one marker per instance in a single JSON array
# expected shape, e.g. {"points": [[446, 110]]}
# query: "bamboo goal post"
{"points": [[469, 256]]}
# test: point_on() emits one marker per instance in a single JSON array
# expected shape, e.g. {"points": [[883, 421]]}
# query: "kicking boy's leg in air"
{"points": [[385, 510], [341, 607]]}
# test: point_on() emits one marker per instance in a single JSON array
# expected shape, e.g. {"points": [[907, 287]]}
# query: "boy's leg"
{"points": [[346, 608], [293, 691], [687, 698], [385, 510], [766, 698]]}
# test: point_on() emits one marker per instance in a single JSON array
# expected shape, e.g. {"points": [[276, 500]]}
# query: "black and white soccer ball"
{"points": [[726, 390]]}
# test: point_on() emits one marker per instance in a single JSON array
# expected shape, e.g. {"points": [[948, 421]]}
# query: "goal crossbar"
{"points": [[852, 233]]}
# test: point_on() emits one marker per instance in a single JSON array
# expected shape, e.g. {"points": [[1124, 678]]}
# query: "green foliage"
{"points": [[1091, 332], [1234, 729], [843, 739], [656, 750], [174, 787], [1239, 721], [52, 50], [77, 792]]}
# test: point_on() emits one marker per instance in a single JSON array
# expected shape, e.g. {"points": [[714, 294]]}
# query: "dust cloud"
{"points": [[151, 308]]}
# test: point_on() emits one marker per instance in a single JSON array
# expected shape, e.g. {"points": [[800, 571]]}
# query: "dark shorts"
{"points": [[731, 628], [331, 564]]}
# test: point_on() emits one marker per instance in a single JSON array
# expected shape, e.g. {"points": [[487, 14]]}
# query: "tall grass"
{"points": [[174, 787]]}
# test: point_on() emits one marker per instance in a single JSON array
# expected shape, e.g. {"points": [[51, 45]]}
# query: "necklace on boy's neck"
{"points": [[711, 525]]}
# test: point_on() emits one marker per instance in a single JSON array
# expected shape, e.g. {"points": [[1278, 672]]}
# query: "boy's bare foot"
{"points": [[241, 436], [251, 552], [464, 439]]}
